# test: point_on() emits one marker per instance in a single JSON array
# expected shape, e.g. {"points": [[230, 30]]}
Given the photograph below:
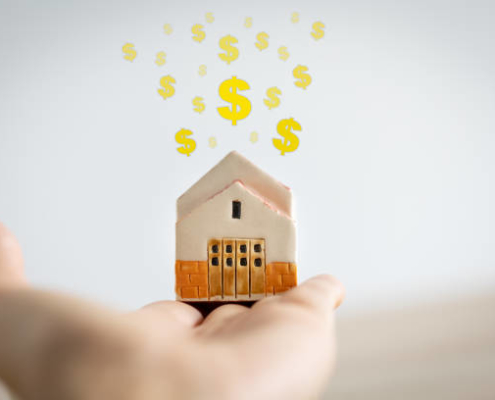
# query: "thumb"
{"points": [[11, 261]]}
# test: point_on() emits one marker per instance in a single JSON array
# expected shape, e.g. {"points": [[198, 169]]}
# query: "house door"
{"points": [[236, 268]]}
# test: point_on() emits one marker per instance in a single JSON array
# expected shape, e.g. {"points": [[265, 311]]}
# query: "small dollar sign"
{"points": [[212, 142], [199, 105], [231, 52], [283, 53], [291, 141], [160, 58], [188, 144], [209, 17], [241, 106], [262, 40], [295, 17], [248, 22], [254, 137], [304, 79], [318, 32], [167, 28], [202, 70], [272, 101], [198, 33], [168, 90], [130, 53]]}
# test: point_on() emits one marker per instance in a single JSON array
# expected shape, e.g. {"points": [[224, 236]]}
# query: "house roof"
{"points": [[234, 167]]}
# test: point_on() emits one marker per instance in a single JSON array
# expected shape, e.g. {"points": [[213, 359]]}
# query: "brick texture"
{"points": [[280, 277], [191, 279]]}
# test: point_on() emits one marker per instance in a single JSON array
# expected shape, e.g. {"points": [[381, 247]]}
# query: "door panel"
{"points": [[229, 268], [242, 265], [215, 269], [257, 267]]}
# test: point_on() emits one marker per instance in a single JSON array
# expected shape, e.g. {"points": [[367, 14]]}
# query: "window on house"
{"points": [[236, 209]]}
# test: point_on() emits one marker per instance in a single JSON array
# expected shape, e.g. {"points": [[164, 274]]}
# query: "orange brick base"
{"points": [[280, 277], [191, 279]]}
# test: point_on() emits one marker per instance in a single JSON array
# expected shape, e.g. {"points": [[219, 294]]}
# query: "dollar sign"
{"points": [[198, 32], [130, 53], [202, 70], [295, 17], [209, 17], [160, 58], [272, 101], [262, 40], [189, 144], [228, 92], [168, 90], [291, 141], [254, 137], [167, 28], [283, 53], [231, 52], [199, 105], [248, 22], [304, 79], [212, 142], [318, 30]]}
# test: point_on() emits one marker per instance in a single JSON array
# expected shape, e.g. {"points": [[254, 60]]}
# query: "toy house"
{"points": [[235, 235]]}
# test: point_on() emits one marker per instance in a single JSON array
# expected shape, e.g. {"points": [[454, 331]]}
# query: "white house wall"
{"points": [[231, 167], [213, 219]]}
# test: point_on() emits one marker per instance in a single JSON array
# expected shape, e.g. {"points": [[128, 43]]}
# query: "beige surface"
{"points": [[438, 351]]}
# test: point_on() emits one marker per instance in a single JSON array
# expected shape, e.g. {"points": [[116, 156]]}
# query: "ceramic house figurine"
{"points": [[235, 235]]}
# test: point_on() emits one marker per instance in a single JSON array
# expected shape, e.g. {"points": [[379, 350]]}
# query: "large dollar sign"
{"points": [[283, 53], [160, 58], [241, 106], [318, 32], [272, 101], [231, 52], [304, 79], [198, 33], [188, 144], [168, 90], [262, 42], [291, 141], [130, 53], [199, 105]]}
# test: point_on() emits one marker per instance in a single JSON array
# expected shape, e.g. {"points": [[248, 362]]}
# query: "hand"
{"points": [[55, 347]]}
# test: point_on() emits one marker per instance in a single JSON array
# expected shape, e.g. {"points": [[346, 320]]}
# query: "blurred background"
{"points": [[393, 177]]}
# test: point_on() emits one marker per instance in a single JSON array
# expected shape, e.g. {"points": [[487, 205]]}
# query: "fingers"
{"points": [[168, 314], [11, 261]]}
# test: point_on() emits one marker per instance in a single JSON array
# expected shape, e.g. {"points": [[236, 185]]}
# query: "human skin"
{"points": [[57, 347]]}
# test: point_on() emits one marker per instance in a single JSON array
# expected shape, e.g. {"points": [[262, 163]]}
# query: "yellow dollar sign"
{"points": [[199, 105], [168, 90], [283, 53], [198, 33], [254, 137], [202, 70], [231, 52], [262, 40], [189, 145], [167, 28], [304, 79], [291, 141], [318, 30], [272, 101], [241, 106], [130, 53], [209, 17], [295, 17], [248, 22], [160, 58]]}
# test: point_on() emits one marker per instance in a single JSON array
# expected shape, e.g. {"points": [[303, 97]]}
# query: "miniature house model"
{"points": [[235, 235]]}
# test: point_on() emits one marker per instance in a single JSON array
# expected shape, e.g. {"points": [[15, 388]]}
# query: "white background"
{"points": [[393, 177]]}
